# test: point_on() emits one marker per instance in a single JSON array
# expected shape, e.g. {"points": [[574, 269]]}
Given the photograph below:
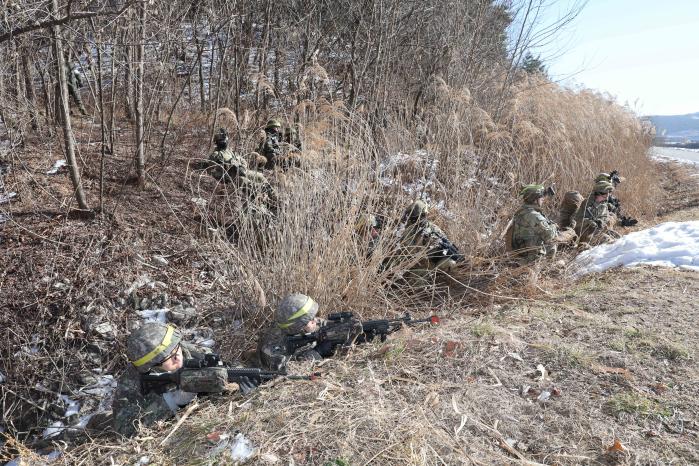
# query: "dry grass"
{"points": [[471, 162]]}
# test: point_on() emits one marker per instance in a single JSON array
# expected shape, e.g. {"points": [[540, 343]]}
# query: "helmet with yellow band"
{"points": [[150, 344], [294, 312]]}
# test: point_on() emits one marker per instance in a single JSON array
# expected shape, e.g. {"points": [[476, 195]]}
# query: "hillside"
{"points": [[556, 378], [676, 126]]}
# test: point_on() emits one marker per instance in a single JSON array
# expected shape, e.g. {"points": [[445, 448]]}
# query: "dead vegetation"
{"points": [[73, 281]]}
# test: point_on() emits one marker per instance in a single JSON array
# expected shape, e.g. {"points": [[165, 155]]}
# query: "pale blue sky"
{"points": [[644, 52]]}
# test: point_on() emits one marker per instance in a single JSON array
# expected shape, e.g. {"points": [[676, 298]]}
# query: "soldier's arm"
{"points": [[545, 229], [130, 407]]}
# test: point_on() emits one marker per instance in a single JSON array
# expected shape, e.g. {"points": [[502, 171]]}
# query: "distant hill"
{"points": [[676, 128]]}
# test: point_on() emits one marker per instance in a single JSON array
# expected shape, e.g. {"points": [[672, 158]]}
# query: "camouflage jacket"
{"points": [[424, 238], [271, 150], [274, 353], [533, 232], [132, 406], [592, 216]]}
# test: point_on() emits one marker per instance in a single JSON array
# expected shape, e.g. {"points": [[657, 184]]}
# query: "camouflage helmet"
{"points": [[150, 344], [532, 192], [294, 312], [415, 211], [221, 136], [273, 123], [603, 187], [366, 221], [603, 177]]}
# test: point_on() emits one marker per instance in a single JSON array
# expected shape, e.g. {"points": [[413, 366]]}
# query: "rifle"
{"points": [[614, 177], [445, 248], [205, 376], [343, 329]]}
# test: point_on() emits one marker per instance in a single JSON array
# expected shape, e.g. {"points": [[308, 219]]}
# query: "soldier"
{"points": [[533, 235], [613, 201], [275, 151], [423, 240], [229, 166], [440, 253], [291, 137], [270, 149], [296, 315], [156, 348], [593, 221], [74, 82]]}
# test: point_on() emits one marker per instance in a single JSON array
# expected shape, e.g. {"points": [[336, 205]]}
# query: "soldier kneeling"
{"points": [[533, 235]]}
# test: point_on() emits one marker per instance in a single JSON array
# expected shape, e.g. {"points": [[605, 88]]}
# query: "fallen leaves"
{"points": [[616, 446]]}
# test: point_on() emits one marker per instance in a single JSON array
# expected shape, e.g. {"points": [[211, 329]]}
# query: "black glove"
{"points": [[247, 385], [628, 221]]}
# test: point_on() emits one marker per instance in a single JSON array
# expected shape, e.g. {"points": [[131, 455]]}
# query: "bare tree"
{"points": [[65, 111]]}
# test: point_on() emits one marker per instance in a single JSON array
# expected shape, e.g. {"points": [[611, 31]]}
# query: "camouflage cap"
{"points": [[294, 312], [416, 210], [150, 344], [532, 192], [273, 123], [603, 187]]}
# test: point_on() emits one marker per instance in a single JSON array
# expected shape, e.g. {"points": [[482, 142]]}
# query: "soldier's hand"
{"points": [[247, 385]]}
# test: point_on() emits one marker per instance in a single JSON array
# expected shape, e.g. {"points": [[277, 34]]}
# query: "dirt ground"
{"points": [[600, 371]]}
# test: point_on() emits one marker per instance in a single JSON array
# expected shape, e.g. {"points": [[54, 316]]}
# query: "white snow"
{"points": [[54, 429], [671, 244], [103, 387], [72, 406], [56, 166], [154, 315], [5, 198], [242, 448]]}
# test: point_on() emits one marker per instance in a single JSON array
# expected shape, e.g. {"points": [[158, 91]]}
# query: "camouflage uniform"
{"points": [[593, 221], [423, 238], [132, 406], [74, 84], [533, 234], [290, 317], [613, 203], [275, 151], [229, 166], [291, 137]]}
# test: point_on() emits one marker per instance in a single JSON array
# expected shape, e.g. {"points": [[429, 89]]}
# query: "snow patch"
{"points": [[5, 198], [154, 315], [671, 244], [72, 406], [56, 167], [54, 429]]}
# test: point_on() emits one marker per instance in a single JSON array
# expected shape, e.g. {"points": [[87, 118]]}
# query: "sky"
{"points": [[643, 52]]}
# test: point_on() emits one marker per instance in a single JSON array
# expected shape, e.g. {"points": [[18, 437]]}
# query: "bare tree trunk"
{"points": [[65, 112], [140, 50], [128, 78], [103, 126], [29, 87]]}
